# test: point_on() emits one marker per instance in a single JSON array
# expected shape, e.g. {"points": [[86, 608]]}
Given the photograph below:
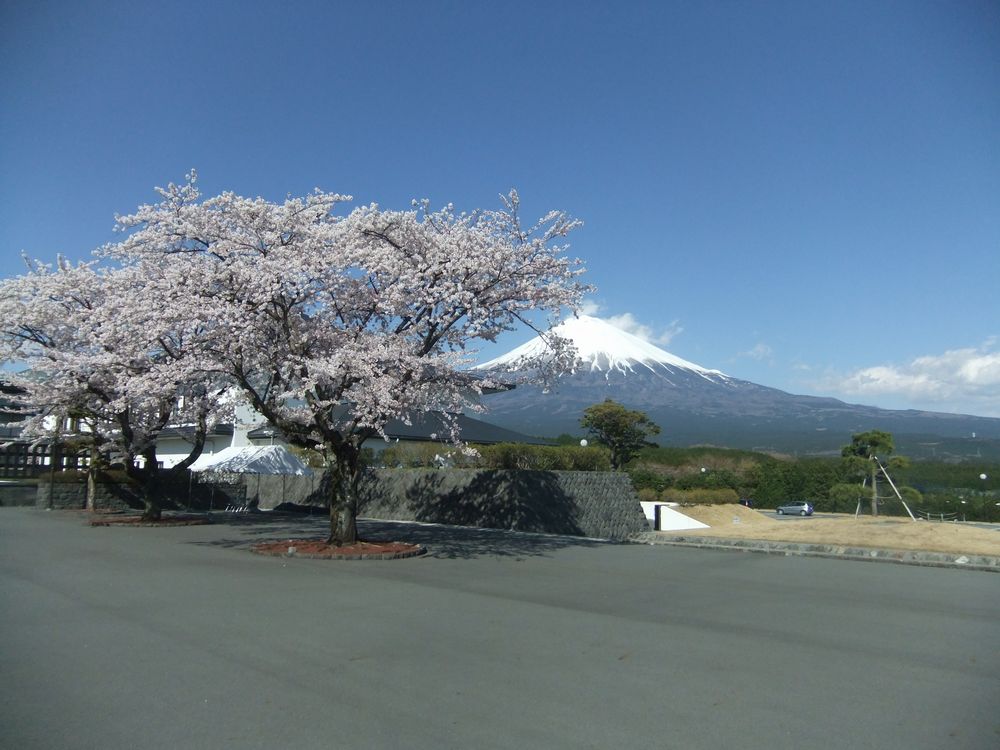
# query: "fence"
{"points": [[26, 461], [928, 516]]}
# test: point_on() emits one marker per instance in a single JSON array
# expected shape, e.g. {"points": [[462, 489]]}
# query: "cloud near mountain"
{"points": [[627, 322], [958, 376]]}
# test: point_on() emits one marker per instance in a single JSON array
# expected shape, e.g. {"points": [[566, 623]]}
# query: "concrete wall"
{"points": [[269, 491], [17, 493], [110, 495], [670, 518]]}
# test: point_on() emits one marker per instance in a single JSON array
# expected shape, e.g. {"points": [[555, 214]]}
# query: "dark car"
{"points": [[746, 501], [796, 507]]}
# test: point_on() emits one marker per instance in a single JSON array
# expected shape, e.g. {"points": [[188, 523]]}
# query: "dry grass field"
{"points": [[735, 521]]}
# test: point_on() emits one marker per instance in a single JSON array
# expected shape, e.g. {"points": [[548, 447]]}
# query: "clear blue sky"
{"points": [[802, 194]]}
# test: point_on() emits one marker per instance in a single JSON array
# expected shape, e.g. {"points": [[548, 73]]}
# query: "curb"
{"points": [[126, 522], [400, 555], [844, 552]]}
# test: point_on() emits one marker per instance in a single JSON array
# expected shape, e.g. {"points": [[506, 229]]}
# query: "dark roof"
{"points": [[432, 423], [184, 431]]}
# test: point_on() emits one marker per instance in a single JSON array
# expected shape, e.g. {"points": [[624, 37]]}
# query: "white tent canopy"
{"points": [[252, 459]]}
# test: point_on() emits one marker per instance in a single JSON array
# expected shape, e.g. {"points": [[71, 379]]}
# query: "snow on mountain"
{"points": [[695, 405], [602, 347]]}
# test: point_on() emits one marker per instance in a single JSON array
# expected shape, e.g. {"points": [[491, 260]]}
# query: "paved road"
{"points": [[178, 638]]}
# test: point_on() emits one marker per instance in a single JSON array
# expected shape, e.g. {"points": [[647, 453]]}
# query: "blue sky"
{"points": [[801, 194]]}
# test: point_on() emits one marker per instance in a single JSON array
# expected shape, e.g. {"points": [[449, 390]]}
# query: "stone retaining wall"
{"points": [[118, 495], [17, 493], [581, 503], [73, 495]]}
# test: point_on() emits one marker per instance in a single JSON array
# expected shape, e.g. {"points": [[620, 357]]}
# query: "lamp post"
{"points": [[986, 506]]}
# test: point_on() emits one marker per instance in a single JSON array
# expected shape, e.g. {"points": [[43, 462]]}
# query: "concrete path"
{"points": [[179, 638]]}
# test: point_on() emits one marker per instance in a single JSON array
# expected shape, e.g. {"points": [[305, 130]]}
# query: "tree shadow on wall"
{"points": [[513, 500]]}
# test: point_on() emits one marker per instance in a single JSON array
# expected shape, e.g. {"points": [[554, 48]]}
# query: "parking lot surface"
{"points": [[179, 637]]}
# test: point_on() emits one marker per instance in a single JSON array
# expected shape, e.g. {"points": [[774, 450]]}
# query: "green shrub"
{"points": [[591, 458], [314, 459], [419, 455], [701, 496], [516, 456], [644, 477], [648, 495]]}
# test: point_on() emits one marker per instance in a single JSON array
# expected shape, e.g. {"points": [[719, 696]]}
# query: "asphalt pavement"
{"points": [[180, 638]]}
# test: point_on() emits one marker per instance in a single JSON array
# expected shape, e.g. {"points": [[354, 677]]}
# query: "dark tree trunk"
{"points": [[91, 485], [95, 466], [151, 508], [342, 480], [146, 478]]}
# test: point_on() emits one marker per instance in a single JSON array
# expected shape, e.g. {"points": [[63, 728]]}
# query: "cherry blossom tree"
{"points": [[104, 369], [332, 325]]}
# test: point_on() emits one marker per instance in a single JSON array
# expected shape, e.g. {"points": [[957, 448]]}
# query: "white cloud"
{"points": [[760, 352], [963, 380], [627, 322], [590, 307]]}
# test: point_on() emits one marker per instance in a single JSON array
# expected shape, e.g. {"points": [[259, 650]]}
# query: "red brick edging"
{"points": [[262, 549], [127, 523]]}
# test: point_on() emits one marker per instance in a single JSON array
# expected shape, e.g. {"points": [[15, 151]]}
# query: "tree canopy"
{"points": [[329, 325], [862, 455], [868, 444], [106, 370], [623, 431]]}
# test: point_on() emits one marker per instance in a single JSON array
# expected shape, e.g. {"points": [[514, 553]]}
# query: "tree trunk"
{"points": [[147, 479], [342, 477], [91, 487], [94, 467], [151, 508]]}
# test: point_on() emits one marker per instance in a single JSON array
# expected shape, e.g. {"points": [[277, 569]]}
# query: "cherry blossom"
{"points": [[104, 369], [333, 324]]}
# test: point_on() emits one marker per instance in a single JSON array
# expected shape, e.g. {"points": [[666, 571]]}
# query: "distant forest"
{"points": [[933, 487], [939, 489]]}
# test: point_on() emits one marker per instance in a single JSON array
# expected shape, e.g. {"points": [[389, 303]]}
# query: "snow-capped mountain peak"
{"points": [[601, 347]]}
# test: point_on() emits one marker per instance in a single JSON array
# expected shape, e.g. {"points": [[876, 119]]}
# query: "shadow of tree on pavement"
{"points": [[441, 541]]}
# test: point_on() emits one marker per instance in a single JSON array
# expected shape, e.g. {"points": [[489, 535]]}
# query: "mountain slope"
{"points": [[694, 404], [602, 348]]}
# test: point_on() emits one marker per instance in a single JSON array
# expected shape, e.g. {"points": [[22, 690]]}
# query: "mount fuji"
{"points": [[697, 405]]}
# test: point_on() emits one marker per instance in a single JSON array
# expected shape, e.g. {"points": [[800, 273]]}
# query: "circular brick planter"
{"points": [[132, 521], [320, 550]]}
